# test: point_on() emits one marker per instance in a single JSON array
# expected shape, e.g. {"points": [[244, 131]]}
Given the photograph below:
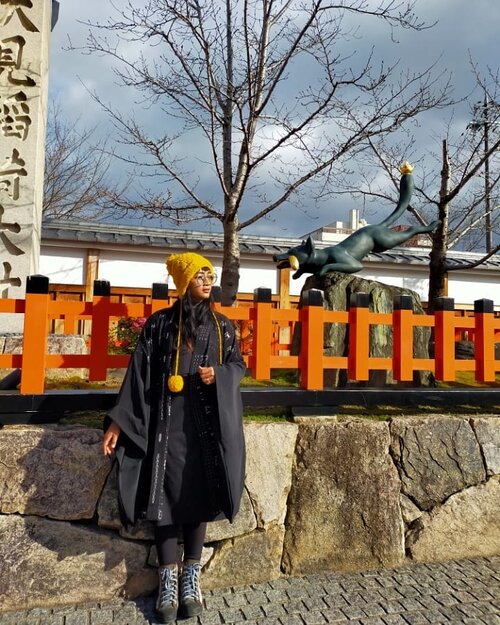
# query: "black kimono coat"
{"points": [[143, 413]]}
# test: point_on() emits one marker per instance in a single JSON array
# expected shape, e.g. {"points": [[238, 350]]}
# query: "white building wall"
{"points": [[258, 274], [132, 269], [62, 265], [66, 265], [466, 287], [296, 285], [405, 277], [141, 270]]}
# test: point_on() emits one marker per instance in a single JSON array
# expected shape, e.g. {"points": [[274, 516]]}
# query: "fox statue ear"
{"points": [[309, 244]]}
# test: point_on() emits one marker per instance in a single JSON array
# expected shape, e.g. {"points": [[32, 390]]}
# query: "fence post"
{"points": [[217, 298], [217, 295], [359, 337], [312, 340], [159, 296], [36, 325], [402, 337], [484, 340], [444, 338], [100, 331], [262, 334]]}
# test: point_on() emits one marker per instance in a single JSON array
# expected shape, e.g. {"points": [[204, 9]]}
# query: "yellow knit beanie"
{"points": [[184, 267]]}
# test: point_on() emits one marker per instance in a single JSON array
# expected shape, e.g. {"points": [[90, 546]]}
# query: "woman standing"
{"points": [[177, 430]]}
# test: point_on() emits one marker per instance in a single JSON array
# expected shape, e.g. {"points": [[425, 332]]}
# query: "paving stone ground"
{"points": [[458, 592]]}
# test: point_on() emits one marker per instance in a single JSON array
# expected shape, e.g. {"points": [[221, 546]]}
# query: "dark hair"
{"points": [[193, 316]]}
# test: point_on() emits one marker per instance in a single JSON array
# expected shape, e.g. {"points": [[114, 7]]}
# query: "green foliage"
{"points": [[267, 414], [279, 377], [76, 383], [466, 378], [385, 413], [90, 419], [281, 414]]}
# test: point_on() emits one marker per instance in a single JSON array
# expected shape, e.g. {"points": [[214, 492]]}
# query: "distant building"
{"points": [[339, 230]]}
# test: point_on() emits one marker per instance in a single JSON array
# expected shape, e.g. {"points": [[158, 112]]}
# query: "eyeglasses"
{"points": [[205, 278]]}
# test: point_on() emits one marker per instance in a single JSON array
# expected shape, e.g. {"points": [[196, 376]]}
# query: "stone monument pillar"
{"points": [[25, 27]]}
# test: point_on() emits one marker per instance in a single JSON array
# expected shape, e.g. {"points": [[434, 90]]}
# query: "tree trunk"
{"points": [[231, 264], [437, 265]]}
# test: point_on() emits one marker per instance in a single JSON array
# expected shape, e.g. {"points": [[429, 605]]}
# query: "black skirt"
{"points": [[186, 496]]}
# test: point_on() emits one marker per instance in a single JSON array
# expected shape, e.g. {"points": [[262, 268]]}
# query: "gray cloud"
{"points": [[463, 29]]}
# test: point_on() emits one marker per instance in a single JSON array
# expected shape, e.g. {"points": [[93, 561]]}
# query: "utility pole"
{"points": [[482, 121]]}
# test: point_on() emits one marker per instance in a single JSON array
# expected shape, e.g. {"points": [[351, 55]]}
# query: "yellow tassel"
{"points": [[175, 383]]}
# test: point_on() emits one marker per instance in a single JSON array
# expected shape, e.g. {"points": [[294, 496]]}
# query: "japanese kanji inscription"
{"points": [[24, 50], [15, 117]]}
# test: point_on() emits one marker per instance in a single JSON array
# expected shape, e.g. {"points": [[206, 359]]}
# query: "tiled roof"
{"points": [[112, 234], [163, 238]]}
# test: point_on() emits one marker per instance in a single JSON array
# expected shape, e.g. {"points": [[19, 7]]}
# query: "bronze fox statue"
{"points": [[346, 256]]}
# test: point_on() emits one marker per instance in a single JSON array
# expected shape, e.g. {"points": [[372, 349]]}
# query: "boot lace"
{"points": [[190, 582], [168, 586]]}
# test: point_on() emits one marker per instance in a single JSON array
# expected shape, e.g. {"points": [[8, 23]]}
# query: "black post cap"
{"points": [[359, 300], [483, 306], [262, 295], [159, 290], [403, 302], [444, 303], [217, 294], [312, 297], [37, 284], [102, 288]]}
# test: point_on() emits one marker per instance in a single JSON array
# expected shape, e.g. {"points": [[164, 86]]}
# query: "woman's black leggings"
{"points": [[166, 537]]}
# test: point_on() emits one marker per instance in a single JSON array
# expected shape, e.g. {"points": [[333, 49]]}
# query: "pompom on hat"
{"points": [[184, 267]]}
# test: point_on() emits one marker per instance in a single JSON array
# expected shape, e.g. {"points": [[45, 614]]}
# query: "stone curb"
{"points": [[449, 593]]}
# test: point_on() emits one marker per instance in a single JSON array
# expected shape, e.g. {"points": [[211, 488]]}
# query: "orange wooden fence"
{"points": [[264, 332]]}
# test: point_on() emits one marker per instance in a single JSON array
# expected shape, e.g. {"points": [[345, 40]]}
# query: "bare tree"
{"points": [[457, 225], [460, 183], [77, 179], [256, 103]]}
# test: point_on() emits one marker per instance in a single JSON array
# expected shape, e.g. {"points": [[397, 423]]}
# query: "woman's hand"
{"points": [[207, 374], [110, 438]]}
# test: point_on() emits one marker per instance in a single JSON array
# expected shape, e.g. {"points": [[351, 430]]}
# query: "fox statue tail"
{"points": [[405, 193]]}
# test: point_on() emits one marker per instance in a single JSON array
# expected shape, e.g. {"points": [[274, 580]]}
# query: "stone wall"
{"points": [[340, 496], [56, 344]]}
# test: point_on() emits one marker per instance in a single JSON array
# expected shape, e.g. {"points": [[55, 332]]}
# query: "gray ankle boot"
{"points": [[191, 599], [168, 593]]}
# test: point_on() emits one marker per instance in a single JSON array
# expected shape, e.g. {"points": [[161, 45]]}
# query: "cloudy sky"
{"points": [[464, 29]]}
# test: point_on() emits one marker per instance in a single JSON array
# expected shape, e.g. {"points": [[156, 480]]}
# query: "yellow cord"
{"points": [[175, 381], [219, 335]]}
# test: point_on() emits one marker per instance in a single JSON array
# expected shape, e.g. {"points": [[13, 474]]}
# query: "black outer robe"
{"points": [[142, 413]]}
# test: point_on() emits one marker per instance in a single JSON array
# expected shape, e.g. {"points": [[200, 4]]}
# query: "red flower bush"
{"points": [[124, 336]]}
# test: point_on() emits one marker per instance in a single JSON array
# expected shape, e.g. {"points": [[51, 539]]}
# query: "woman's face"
{"points": [[200, 286]]}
